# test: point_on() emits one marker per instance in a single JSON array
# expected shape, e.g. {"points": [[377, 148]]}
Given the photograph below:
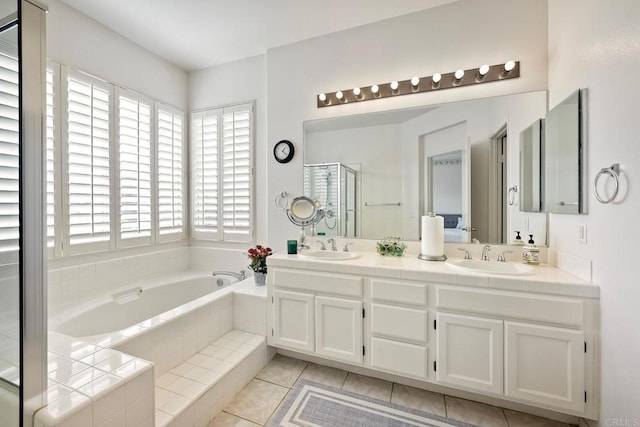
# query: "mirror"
{"points": [[565, 157], [302, 210], [532, 167], [457, 159]]}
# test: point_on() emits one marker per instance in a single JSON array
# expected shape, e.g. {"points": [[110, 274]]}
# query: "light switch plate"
{"points": [[582, 233]]}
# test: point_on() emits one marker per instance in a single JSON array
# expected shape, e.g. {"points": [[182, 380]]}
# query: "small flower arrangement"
{"points": [[258, 257], [391, 246]]}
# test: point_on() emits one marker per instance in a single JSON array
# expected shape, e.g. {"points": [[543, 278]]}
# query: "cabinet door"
{"points": [[339, 328], [545, 365], [469, 352], [293, 320], [399, 357]]}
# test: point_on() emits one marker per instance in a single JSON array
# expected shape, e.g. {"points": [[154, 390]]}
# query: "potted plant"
{"points": [[258, 263], [391, 246]]}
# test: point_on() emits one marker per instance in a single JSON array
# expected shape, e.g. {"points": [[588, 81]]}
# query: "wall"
{"points": [[75, 40], [596, 45], [234, 83], [491, 31]]}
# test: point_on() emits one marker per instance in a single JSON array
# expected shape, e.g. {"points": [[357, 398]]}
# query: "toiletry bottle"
{"points": [[531, 253], [518, 239]]}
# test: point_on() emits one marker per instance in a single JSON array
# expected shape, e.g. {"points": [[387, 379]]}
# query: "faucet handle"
{"points": [[467, 254], [322, 246], [346, 247], [502, 258]]}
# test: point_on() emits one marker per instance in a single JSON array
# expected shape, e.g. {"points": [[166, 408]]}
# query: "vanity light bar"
{"points": [[473, 76]]}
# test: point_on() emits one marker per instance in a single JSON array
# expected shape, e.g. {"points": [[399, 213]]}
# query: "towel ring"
{"points": [[614, 172], [282, 201], [512, 193]]}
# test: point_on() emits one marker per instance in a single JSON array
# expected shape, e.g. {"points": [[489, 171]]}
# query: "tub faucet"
{"points": [[241, 275], [485, 250], [333, 244]]}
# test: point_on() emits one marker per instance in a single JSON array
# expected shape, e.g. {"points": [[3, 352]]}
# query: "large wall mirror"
{"points": [[376, 174]]}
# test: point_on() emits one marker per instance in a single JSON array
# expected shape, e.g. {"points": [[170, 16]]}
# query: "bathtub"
{"points": [[165, 321]]}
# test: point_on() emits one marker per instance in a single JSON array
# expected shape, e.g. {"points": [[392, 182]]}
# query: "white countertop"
{"points": [[548, 279]]}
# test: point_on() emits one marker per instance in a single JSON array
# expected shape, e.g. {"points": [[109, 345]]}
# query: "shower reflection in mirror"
{"points": [[334, 186]]}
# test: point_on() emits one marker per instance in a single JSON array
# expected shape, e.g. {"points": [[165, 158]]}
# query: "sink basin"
{"points": [[492, 267], [331, 255]]}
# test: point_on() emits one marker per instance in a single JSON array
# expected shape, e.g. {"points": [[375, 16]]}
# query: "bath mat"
{"points": [[318, 405]]}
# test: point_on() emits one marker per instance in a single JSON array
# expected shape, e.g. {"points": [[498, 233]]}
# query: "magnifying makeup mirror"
{"points": [[302, 212]]}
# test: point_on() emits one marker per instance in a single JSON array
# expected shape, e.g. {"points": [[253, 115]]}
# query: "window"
{"points": [[222, 173], [9, 157], [170, 172], [87, 199], [134, 168]]}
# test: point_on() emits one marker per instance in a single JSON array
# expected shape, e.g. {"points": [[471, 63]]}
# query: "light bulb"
{"points": [[356, 91], [509, 66], [436, 78], [483, 70], [322, 97], [415, 81], [459, 74], [339, 95], [394, 85], [375, 89]]}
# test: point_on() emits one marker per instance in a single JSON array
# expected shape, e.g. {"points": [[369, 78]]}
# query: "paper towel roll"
{"points": [[432, 244]]}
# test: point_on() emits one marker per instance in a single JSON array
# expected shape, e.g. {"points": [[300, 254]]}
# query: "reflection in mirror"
{"points": [[445, 193], [392, 154], [532, 167], [564, 157]]}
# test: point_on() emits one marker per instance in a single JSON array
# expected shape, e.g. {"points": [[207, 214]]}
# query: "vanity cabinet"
{"points": [[293, 320], [339, 328]]}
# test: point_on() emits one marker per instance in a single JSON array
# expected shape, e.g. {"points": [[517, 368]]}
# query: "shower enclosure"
{"points": [[334, 185]]}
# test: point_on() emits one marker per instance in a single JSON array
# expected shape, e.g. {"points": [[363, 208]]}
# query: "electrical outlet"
{"points": [[582, 233]]}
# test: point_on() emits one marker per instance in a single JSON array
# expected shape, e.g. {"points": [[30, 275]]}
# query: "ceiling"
{"points": [[197, 34]]}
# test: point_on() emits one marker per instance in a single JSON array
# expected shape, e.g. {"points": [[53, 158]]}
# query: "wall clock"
{"points": [[283, 151]]}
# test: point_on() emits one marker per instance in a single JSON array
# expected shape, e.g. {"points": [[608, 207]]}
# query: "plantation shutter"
{"points": [[9, 156], [236, 166], [170, 167], [204, 150], [50, 147], [134, 167], [88, 121]]}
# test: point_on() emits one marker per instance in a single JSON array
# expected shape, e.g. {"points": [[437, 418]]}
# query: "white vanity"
{"points": [[526, 339]]}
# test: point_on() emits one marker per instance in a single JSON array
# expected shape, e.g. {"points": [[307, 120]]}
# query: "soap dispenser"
{"points": [[531, 253], [518, 239]]}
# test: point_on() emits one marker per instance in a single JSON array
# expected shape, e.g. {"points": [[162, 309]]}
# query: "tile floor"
{"points": [[257, 402]]}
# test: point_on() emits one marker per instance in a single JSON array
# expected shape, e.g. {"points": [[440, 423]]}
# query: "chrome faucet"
{"points": [[241, 275], [322, 246], [502, 258], [346, 247], [467, 254], [485, 250], [333, 244]]}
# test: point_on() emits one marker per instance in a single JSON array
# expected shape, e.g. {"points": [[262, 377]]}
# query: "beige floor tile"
{"points": [[324, 375], [257, 401], [475, 413], [422, 400], [227, 420], [519, 419], [368, 386], [282, 370]]}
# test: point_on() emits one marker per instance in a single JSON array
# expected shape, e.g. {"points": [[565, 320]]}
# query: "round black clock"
{"points": [[283, 151]]}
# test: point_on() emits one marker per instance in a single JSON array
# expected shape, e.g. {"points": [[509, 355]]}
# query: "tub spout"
{"points": [[241, 275]]}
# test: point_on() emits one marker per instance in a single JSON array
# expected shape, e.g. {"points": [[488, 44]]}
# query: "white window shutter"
{"points": [[134, 169], [237, 171], [204, 172], [88, 190], [170, 172], [9, 158]]}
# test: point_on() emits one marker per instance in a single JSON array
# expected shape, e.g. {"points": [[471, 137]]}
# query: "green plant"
{"points": [[258, 258], [391, 246]]}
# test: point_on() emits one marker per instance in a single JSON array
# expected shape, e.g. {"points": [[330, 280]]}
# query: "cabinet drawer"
{"points": [[399, 323], [400, 292], [398, 357], [337, 284], [566, 311]]}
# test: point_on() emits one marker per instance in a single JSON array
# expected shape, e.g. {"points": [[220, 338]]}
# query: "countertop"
{"points": [[547, 279]]}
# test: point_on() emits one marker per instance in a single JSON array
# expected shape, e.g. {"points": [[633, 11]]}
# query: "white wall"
{"points": [[234, 83], [596, 45], [78, 41], [461, 34]]}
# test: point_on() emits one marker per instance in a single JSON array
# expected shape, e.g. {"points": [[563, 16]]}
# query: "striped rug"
{"points": [[312, 404]]}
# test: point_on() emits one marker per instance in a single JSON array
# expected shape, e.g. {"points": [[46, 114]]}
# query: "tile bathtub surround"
{"points": [[250, 308], [244, 412]]}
